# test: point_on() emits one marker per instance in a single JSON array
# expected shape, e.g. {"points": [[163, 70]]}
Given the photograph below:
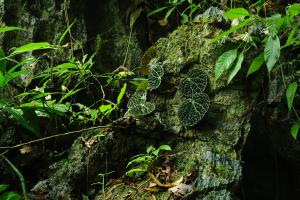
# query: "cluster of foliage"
{"points": [[272, 34], [194, 104], [140, 164], [45, 100]]}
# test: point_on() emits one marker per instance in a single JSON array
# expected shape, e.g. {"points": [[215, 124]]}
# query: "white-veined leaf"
{"points": [[193, 110]]}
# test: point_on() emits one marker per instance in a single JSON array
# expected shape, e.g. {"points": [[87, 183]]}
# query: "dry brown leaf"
{"points": [[163, 22], [181, 189], [152, 184], [25, 150]]}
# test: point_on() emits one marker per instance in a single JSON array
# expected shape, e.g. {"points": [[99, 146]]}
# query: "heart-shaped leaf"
{"points": [[194, 83], [138, 97], [137, 105], [142, 109], [193, 109]]}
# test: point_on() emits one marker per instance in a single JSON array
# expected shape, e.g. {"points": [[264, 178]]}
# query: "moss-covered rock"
{"points": [[209, 150], [215, 154]]}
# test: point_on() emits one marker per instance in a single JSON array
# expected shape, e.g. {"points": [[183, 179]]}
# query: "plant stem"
{"points": [[20, 176]]}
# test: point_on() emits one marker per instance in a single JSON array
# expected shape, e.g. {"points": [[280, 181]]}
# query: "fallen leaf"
{"points": [[25, 149], [163, 22], [181, 189]]}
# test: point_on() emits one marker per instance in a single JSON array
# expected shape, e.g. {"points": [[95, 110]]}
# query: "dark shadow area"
{"points": [[270, 170]]}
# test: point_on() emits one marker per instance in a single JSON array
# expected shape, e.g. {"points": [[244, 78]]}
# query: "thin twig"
{"points": [[53, 136], [2, 154]]}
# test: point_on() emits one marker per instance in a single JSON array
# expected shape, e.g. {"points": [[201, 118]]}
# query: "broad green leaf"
{"points": [[32, 47], [65, 66], [105, 109], [4, 80], [10, 196], [157, 11], [256, 64], [274, 23], [295, 130], [22, 120], [291, 38], [150, 149], [224, 62], [48, 106], [165, 147], [272, 51], [121, 94], [233, 29], [184, 18], [236, 13], [294, 9], [9, 28], [290, 94], [134, 171], [134, 16], [236, 67], [143, 158], [3, 187], [3, 62], [155, 152]]}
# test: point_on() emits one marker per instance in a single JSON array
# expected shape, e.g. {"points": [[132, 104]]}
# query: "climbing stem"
{"points": [[20, 176]]}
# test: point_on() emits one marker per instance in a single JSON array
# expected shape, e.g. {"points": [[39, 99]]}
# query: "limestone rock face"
{"points": [[211, 148]]}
